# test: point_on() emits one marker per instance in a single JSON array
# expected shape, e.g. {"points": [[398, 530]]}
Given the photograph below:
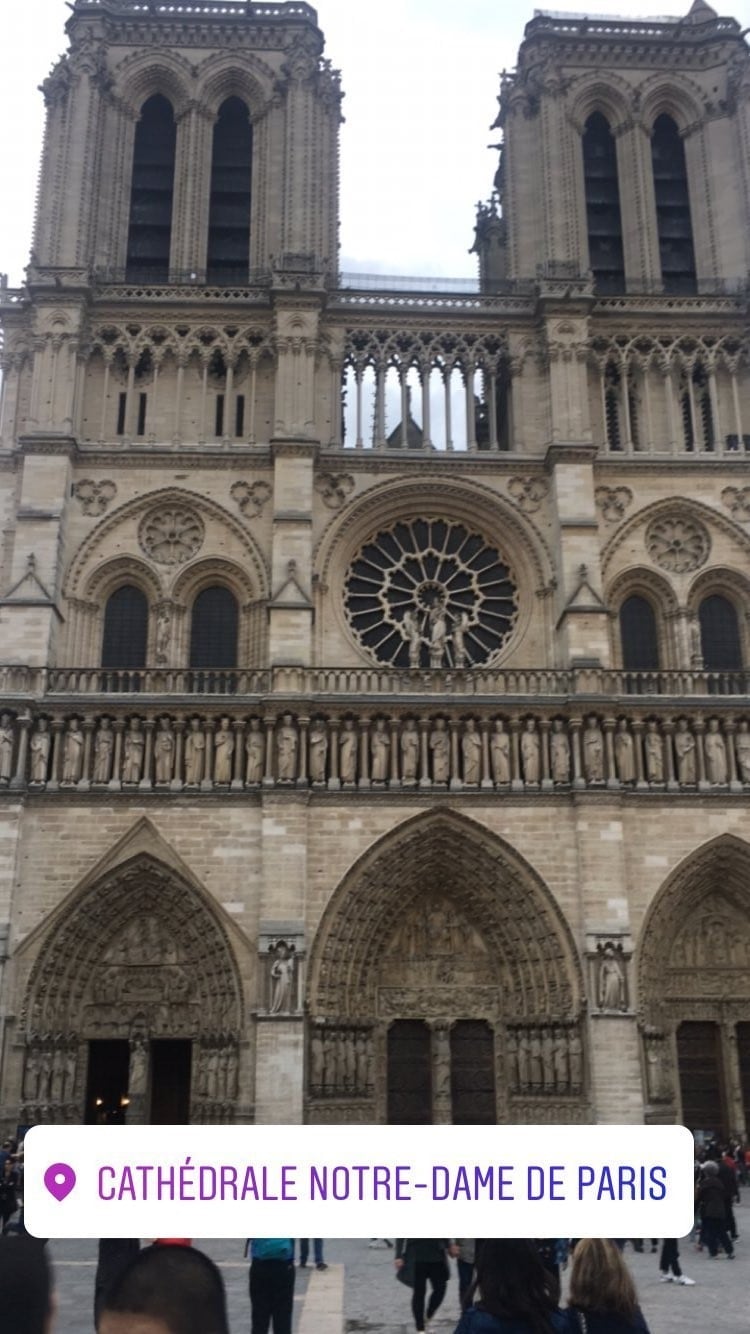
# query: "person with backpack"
{"points": [[271, 1284]]}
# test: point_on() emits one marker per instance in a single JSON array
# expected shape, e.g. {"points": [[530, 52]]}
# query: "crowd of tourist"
{"points": [[508, 1286]]}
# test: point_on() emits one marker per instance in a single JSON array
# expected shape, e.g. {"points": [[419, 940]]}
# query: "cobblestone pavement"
{"points": [[376, 1304]]}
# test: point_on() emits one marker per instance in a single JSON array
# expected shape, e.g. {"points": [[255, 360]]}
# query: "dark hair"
{"points": [[514, 1284], [176, 1284], [25, 1285]]}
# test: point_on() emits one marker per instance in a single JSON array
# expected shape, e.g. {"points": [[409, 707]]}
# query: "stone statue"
{"points": [[103, 745], [511, 1046], [287, 743], [282, 973], [138, 1071], [254, 748], [348, 752], [441, 754], [530, 752], [223, 752], [716, 755], [500, 753], [410, 631], [684, 745], [593, 751], [132, 764], [611, 982], [31, 1075], [163, 632], [40, 744], [654, 749], [523, 1060], [409, 751], [438, 636], [380, 747], [536, 1073], [560, 1059], [195, 750], [624, 753], [460, 626], [559, 750], [164, 751], [471, 750], [742, 749], [575, 1056], [317, 1065], [72, 766], [548, 1065], [350, 1062], [318, 750], [657, 1077], [363, 1077], [6, 748]]}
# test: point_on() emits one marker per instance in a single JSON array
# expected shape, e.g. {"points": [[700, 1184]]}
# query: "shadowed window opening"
{"points": [[125, 629], [603, 218], [151, 194], [229, 213]]}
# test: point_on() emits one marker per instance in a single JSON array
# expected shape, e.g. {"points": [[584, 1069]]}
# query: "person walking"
{"points": [[419, 1263], [304, 1251], [712, 1202], [602, 1297], [271, 1285], [465, 1260], [670, 1260], [513, 1293]]}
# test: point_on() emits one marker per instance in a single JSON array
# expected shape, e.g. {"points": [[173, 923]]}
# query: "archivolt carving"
{"points": [[639, 579], [211, 570], [685, 952], [220, 77], [122, 570], [141, 75], [142, 941], [210, 513], [719, 579], [672, 94], [513, 935], [590, 93]]}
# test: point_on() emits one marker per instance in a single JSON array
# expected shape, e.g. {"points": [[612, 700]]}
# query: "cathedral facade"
{"points": [[374, 706]]}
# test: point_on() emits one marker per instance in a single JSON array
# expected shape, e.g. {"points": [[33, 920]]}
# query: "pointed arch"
{"points": [[531, 967]]}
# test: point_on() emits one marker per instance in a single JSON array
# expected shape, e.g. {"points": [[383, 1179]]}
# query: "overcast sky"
{"points": [[421, 79]]}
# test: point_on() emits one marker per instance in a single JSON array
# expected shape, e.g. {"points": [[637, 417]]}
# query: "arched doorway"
{"points": [[133, 1006], [694, 992], [444, 986]]}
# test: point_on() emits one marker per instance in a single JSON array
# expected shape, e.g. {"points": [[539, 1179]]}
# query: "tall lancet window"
{"points": [[231, 176], [151, 193], [673, 222], [603, 218]]}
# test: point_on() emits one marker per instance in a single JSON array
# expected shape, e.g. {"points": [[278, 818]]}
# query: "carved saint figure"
{"points": [[410, 631], [164, 751], [103, 744], [254, 746], [380, 747], [548, 1062], [40, 744], [316, 1059], [138, 1070], [363, 1078], [318, 750], [409, 751], [560, 1059], [716, 754], [471, 749], [6, 747], [132, 763], [500, 753], [684, 745], [657, 1078], [223, 752], [460, 626], [535, 1059], [559, 750], [438, 636], [163, 631], [348, 752], [530, 751], [195, 749], [654, 753], [624, 753], [282, 972], [742, 749], [523, 1060], [611, 989], [287, 743], [73, 753], [575, 1055], [593, 751], [440, 748]]}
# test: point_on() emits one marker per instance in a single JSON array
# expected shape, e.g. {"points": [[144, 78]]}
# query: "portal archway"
{"points": [[137, 971], [443, 924], [694, 992]]}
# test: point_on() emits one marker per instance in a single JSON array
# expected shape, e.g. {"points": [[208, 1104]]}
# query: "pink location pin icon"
{"points": [[60, 1180]]}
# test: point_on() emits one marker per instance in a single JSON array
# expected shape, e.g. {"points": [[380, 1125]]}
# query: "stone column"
{"points": [[238, 727], [148, 755], [334, 781], [699, 728], [179, 750], [609, 745], [575, 744], [23, 725], [640, 781], [733, 1091], [424, 750], [516, 779], [544, 729], [302, 779], [364, 753], [455, 779], [667, 733], [395, 779], [208, 763]]}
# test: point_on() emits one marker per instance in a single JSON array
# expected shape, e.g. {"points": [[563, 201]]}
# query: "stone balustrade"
{"points": [[558, 747]]}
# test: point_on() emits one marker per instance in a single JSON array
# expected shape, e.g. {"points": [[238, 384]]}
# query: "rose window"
{"points": [[430, 593], [171, 535], [677, 544]]}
